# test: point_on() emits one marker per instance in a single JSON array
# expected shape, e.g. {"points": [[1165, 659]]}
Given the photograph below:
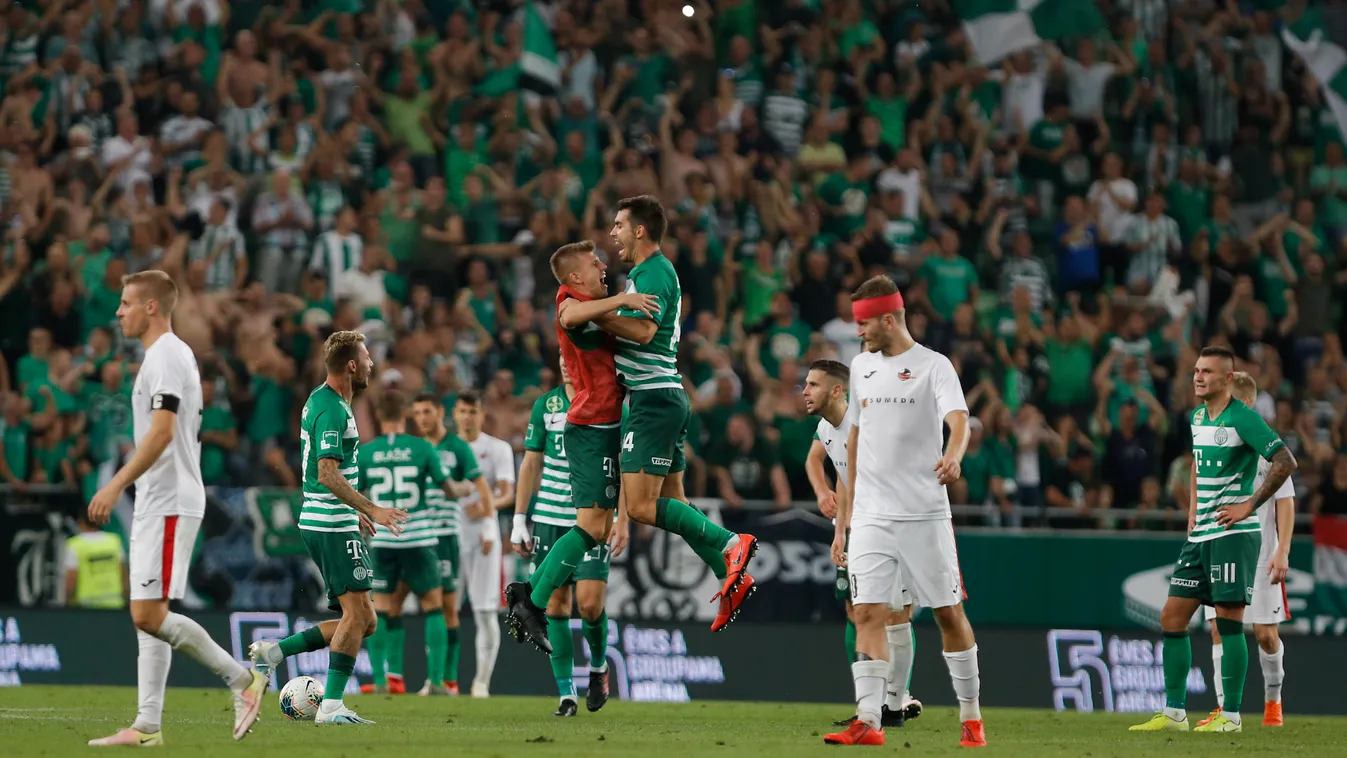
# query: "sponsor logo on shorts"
{"points": [[360, 573], [610, 491], [1180, 582], [661, 461]]}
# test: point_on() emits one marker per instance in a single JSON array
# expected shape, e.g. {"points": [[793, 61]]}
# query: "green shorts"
{"points": [[1217, 571], [591, 452], [843, 586], [594, 566], [343, 561], [419, 567], [654, 430], [447, 553]]}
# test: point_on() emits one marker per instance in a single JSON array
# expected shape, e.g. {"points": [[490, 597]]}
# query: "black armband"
{"points": [[164, 402]]}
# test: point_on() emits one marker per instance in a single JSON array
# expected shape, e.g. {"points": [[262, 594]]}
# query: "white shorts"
{"points": [[1269, 601], [913, 562], [480, 575], [161, 555]]}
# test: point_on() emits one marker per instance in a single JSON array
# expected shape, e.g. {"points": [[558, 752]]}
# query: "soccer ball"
{"points": [[300, 698]]}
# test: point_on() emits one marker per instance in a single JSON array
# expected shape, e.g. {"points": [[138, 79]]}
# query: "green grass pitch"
{"points": [[57, 721]]}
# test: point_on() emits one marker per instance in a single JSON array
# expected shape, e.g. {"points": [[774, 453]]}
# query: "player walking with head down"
{"points": [[170, 501], [902, 397], [1218, 562], [334, 521]]}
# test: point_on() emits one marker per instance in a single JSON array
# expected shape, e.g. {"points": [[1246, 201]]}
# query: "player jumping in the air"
{"points": [[591, 438], [398, 470], [902, 397], [655, 429], [546, 473], [480, 535], [825, 396], [334, 521], [460, 462], [170, 501], [1269, 608], [1219, 562]]}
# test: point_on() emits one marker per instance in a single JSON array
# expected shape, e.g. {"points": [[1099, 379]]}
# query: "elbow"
{"points": [[647, 333]]}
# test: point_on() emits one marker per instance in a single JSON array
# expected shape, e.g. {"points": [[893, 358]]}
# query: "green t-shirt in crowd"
{"points": [[947, 282], [784, 343], [1070, 366], [271, 410], [758, 288], [850, 199], [214, 469]]}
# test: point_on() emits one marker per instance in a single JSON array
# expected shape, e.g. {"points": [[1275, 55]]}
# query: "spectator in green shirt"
{"points": [[950, 279], [1328, 184], [219, 436], [846, 196], [760, 282]]}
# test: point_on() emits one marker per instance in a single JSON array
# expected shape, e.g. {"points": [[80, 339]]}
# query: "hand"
{"points": [[487, 545], [100, 508], [839, 549], [519, 535], [1279, 567], [948, 470], [637, 301], [391, 519], [1229, 515], [618, 538], [827, 504], [366, 527], [475, 511]]}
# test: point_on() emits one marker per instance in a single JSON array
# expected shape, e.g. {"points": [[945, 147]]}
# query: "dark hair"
{"points": [[876, 286], [392, 406], [561, 259], [645, 210], [835, 369], [1218, 351], [469, 397], [428, 397]]}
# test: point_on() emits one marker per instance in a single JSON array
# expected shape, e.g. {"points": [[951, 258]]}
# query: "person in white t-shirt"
{"points": [[825, 396], [1113, 197], [1269, 607], [902, 397], [480, 539], [170, 501]]}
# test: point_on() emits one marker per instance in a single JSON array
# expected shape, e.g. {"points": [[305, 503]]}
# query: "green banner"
{"points": [[1083, 579]]}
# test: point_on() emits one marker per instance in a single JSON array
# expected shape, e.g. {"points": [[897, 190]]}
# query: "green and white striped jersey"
{"points": [[1226, 450], [459, 464], [552, 504], [327, 430], [400, 471], [654, 364]]}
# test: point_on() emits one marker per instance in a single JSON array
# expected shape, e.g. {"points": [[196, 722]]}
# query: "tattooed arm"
{"points": [[1283, 463]]}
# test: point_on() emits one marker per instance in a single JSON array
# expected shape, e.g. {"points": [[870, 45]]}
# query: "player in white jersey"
{"points": [[480, 538], [825, 396], [1268, 608], [170, 501], [902, 397]]}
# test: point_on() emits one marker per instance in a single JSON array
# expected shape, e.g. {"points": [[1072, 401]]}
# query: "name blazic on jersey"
{"points": [[396, 455]]}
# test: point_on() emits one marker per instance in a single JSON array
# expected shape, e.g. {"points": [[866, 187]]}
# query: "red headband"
{"points": [[876, 306]]}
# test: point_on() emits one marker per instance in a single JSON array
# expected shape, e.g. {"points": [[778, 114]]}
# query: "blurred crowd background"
{"points": [[1068, 225]]}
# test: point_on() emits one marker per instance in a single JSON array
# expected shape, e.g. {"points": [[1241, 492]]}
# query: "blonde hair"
{"points": [[561, 260], [157, 286], [1242, 386], [341, 348]]}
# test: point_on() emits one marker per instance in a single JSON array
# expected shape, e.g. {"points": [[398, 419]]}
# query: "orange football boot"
{"points": [[859, 733], [396, 685], [730, 604], [972, 735], [1272, 714], [736, 562], [1209, 717]]}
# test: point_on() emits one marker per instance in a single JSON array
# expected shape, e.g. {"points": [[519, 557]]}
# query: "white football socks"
{"points": [[488, 644], [870, 678], [1273, 673], [152, 665], [963, 671], [901, 651], [1218, 681], [186, 635]]}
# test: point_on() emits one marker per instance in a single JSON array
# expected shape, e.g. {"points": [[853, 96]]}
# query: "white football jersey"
{"points": [[1267, 512], [834, 440], [899, 404], [169, 380]]}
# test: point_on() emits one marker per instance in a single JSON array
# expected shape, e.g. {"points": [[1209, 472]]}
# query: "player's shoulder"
{"points": [[863, 360]]}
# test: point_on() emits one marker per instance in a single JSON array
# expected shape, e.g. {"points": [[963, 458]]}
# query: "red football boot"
{"points": [[451, 688], [859, 733], [396, 686], [972, 735], [729, 604], [736, 562]]}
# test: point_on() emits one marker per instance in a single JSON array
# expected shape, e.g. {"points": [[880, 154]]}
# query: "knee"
{"points": [[1174, 617], [591, 608], [642, 509], [451, 615], [949, 617], [560, 603], [1268, 638], [868, 614], [899, 616], [596, 522], [148, 619]]}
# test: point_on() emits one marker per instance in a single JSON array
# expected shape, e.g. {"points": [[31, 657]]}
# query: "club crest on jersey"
{"points": [[1200, 416], [1222, 435], [553, 404], [906, 375]]}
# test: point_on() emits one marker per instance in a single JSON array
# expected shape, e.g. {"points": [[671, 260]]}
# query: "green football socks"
{"points": [[851, 641], [339, 669], [1234, 662], [563, 654], [559, 564], [451, 655], [393, 647], [437, 644], [596, 634], [706, 538], [307, 641], [1178, 653], [376, 644]]}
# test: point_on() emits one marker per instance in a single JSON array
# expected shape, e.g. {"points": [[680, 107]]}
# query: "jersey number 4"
{"points": [[627, 443]]}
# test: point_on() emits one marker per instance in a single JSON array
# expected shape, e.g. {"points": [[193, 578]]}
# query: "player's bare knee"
{"points": [[148, 617], [560, 602], [949, 617], [1176, 614], [869, 614], [590, 603], [596, 522], [1268, 638], [899, 616], [431, 602]]}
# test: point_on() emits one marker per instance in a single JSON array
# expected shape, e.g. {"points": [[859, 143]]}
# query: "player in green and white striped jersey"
{"points": [[400, 471], [334, 520], [1218, 563], [546, 471], [460, 463]]}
